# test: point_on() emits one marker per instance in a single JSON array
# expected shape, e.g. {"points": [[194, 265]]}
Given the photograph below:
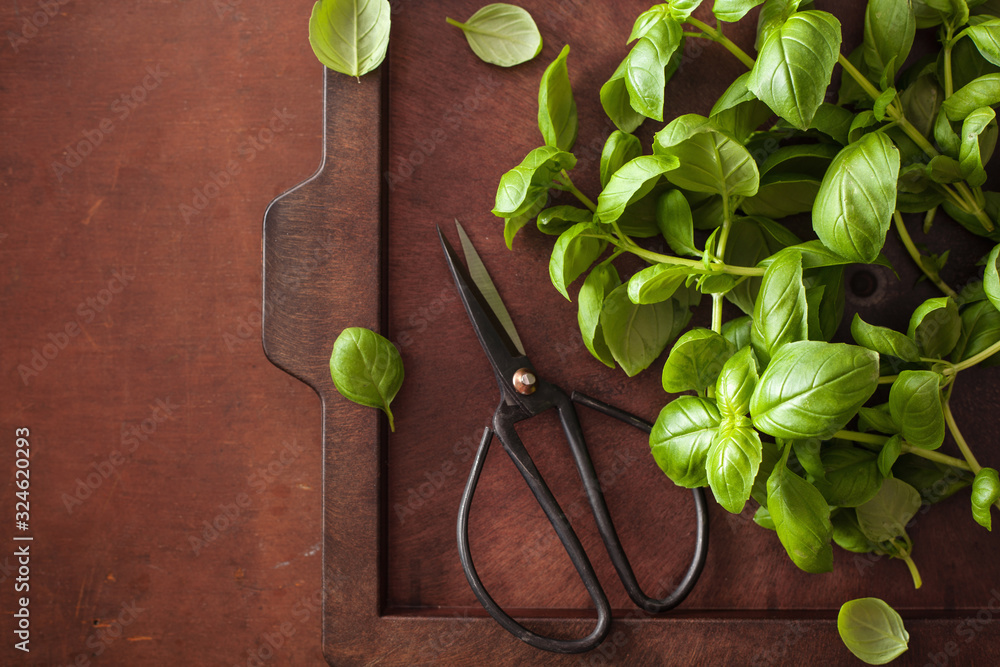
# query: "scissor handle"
{"points": [[503, 422]]}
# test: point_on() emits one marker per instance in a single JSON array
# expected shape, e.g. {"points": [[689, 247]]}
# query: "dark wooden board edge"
{"points": [[323, 255]]}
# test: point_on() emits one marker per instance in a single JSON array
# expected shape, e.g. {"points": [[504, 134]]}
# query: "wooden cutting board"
{"points": [[421, 142]]}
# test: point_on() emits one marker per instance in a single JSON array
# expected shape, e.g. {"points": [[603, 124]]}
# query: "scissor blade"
{"points": [[483, 282]]}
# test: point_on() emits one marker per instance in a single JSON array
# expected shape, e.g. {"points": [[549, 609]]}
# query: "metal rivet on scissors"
{"points": [[522, 396]]}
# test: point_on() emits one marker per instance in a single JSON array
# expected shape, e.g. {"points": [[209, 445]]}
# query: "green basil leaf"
{"points": [[980, 330], [810, 160], [620, 148], [599, 283], [971, 222], [772, 16], [877, 419], [736, 383], [736, 94], [936, 326], [884, 341], [807, 453], [811, 389], [557, 117], [801, 518], [986, 37], [915, 404], [681, 9], [852, 476], [945, 135], [847, 534], [884, 517], [794, 66], [637, 334], [709, 160], [833, 121], [575, 250], [882, 102], [673, 217], [890, 452], [737, 332], [831, 308], [521, 187], [991, 277], [780, 314], [367, 369], [934, 481], [969, 154], [695, 361], [681, 438], [350, 37], [502, 34], [731, 11], [650, 64], [851, 91], [738, 111], [782, 195], [615, 100], [860, 125], [854, 205], [815, 255], [557, 219], [921, 102], [630, 183], [981, 92], [889, 29], [985, 492], [771, 457], [763, 518], [645, 21], [657, 283], [752, 240], [872, 630], [513, 224], [732, 464]]}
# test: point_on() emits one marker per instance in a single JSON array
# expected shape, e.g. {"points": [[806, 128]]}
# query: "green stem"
{"points": [[717, 36], [887, 379], [584, 199], [720, 252], [918, 258], [457, 24], [960, 440], [657, 258], [717, 313], [949, 86], [972, 361], [917, 581], [862, 80], [879, 440]]}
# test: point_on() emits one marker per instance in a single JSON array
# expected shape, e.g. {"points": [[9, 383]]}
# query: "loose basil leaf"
{"points": [[521, 187], [557, 219], [575, 250], [969, 154], [673, 217], [884, 517], [847, 534], [367, 369], [985, 492], [889, 29], [695, 361], [801, 518], [736, 383], [732, 464], [615, 100], [936, 327], [601, 281], [657, 283], [630, 183], [872, 630], [980, 330], [986, 37], [915, 404], [890, 452], [637, 334], [991, 277], [513, 224], [795, 64], [807, 453], [502, 34], [884, 341], [811, 389], [709, 160], [620, 148], [350, 37], [877, 419], [780, 314], [650, 64], [737, 332], [852, 476], [854, 205], [557, 117], [733, 10], [681, 438], [981, 92]]}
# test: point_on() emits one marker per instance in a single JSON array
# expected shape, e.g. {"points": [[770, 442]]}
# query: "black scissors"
{"points": [[524, 395]]}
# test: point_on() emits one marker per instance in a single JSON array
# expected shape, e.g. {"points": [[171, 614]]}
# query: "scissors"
{"points": [[522, 396]]}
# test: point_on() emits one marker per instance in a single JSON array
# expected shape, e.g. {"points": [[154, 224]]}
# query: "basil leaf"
{"points": [[737, 332], [502, 34], [681, 438], [601, 281], [621, 147], [782, 195], [811, 389], [630, 183], [736, 383], [877, 419], [780, 314], [890, 452], [772, 16], [557, 219], [615, 100], [763, 518], [810, 160], [650, 64], [971, 222], [833, 121], [681, 9], [656, 283], [695, 361], [981, 92], [709, 161], [513, 224], [575, 250], [557, 117], [991, 277], [882, 102], [889, 29], [884, 517], [846, 533], [795, 64], [860, 125], [733, 10], [521, 187], [852, 476], [751, 240], [915, 404], [801, 519], [637, 334], [985, 492], [884, 341], [855, 202], [872, 630], [851, 91], [921, 102], [807, 453], [350, 37], [934, 481], [367, 369], [969, 154], [738, 111], [986, 37], [815, 255], [673, 217], [645, 21], [732, 464], [980, 330], [936, 326]]}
